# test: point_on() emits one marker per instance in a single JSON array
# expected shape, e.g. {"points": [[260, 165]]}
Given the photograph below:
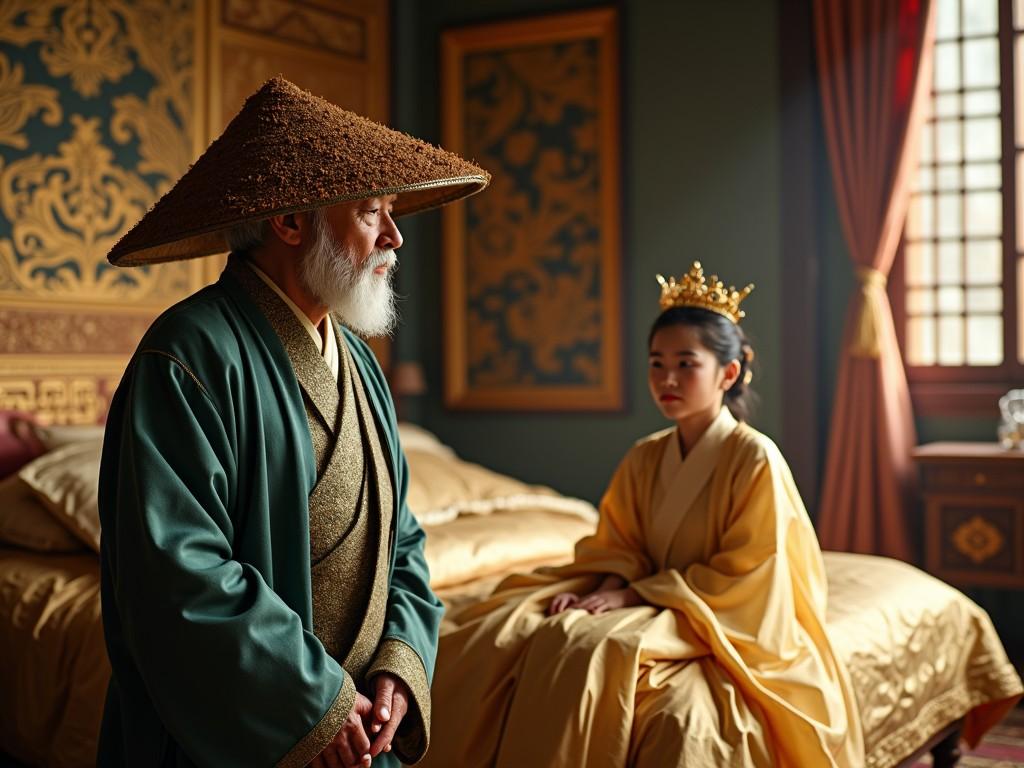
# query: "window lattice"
{"points": [[953, 239]]}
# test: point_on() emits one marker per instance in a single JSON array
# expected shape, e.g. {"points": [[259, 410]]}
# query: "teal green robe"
{"points": [[207, 469]]}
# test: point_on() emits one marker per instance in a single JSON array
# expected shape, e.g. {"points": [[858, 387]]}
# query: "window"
{"points": [[959, 294]]}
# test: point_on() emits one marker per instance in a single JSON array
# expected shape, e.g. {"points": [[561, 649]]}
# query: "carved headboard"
{"points": [[103, 117]]}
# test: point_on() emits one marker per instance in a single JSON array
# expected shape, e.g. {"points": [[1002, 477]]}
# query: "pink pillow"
{"points": [[18, 443]]}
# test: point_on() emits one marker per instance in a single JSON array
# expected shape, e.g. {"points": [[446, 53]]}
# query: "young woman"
{"points": [[689, 630]]}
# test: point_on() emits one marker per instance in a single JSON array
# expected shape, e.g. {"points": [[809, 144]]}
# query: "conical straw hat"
{"points": [[286, 151]]}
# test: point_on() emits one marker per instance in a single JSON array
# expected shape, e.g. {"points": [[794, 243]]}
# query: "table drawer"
{"points": [[969, 477], [976, 540]]}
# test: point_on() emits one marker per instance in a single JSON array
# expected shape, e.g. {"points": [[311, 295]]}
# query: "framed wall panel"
{"points": [[531, 266]]}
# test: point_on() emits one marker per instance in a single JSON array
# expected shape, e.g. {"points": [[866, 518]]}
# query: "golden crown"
{"points": [[692, 290]]}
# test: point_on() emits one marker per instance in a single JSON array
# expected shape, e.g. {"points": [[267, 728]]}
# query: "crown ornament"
{"points": [[693, 290]]}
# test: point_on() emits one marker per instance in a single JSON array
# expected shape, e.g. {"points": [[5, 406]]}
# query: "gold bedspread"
{"points": [[54, 674], [920, 654], [473, 547]]}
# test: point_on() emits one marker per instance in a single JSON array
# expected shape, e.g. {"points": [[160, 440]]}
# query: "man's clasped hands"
{"points": [[351, 747]]}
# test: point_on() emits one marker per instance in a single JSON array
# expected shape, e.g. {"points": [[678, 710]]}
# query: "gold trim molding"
{"points": [[40, 332], [67, 391], [332, 31]]}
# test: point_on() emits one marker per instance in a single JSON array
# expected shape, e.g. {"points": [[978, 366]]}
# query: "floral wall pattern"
{"points": [[536, 257], [104, 89], [97, 119], [103, 105]]}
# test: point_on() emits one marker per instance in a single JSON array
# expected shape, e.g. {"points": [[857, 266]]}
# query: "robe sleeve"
{"points": [[232, 672], [617, 546], [413, 735], [745, 585], [758, 604]]}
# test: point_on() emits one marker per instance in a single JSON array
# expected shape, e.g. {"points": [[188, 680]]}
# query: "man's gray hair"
{"points": [[247, 236]]}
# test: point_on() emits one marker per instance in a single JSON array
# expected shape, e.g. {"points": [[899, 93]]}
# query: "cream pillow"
{"points": [[415, 438], [57, 436], [66, 482], [442, 487], [24, 522]]}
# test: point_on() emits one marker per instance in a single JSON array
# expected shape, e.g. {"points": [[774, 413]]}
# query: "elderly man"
{"points": [[265, 594]]}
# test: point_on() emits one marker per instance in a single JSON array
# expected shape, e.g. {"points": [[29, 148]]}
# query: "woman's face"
{"points": [[684, 376]]}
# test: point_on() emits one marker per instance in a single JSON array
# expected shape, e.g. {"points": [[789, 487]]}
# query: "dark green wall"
{"points": [[702, 170], [700, 161]]}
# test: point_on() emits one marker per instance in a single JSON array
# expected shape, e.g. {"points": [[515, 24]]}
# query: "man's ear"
{"points": [[288, 227]]}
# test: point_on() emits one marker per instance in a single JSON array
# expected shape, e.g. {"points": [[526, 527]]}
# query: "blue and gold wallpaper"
{"points": [[540, 250], [103, 105], [96, 122]]}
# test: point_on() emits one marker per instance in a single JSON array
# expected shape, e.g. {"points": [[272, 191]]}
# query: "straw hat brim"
{"points": [[289, 151], [210, 239]]}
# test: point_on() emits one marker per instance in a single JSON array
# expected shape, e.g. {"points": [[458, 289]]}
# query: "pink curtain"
{"points": [[874, 67]]}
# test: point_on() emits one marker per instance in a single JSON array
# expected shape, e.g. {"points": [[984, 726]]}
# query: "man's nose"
{"points": [[390, 237]]}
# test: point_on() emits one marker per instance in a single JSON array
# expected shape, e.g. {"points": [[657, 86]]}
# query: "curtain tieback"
{"points": [[866, 331]]}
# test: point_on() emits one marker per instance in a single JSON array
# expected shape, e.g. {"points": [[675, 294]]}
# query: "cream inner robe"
{"points": [[325, 343]]}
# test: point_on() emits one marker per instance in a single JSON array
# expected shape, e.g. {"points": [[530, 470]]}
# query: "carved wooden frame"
{"points": [[456, 45]]}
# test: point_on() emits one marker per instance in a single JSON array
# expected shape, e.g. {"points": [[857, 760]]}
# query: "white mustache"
{"points": [[380, 257]]}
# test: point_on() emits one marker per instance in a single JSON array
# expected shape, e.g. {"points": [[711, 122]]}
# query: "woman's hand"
{"points": [[563, 602], [605, 600]]}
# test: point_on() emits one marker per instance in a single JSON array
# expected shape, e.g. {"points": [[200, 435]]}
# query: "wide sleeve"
{"points": [[232, 672], [757, 603], [617, 546]]}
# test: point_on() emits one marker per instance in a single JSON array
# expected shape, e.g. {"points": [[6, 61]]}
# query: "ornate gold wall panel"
{"points": [[330, 30], [66, 390], [103, 105], [98, 117], [336, 50], [98, 121]]}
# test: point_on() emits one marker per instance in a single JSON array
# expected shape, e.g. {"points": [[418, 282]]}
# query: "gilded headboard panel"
{"points": [[103, 104]]}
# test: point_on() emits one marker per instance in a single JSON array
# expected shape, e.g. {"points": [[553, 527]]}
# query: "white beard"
{"points": [[363, 300]]}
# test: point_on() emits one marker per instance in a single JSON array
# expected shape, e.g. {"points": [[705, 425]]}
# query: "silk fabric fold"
{"points": [[728, 664]]}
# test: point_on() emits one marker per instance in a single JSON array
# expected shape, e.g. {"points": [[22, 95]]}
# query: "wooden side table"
{"points": [[974, 513]]}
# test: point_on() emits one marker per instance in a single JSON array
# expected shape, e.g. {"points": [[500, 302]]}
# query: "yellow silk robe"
{"points": [[727, 665]]}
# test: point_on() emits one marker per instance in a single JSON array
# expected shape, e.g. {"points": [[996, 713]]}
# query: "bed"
{"points": [[926, 663]]}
